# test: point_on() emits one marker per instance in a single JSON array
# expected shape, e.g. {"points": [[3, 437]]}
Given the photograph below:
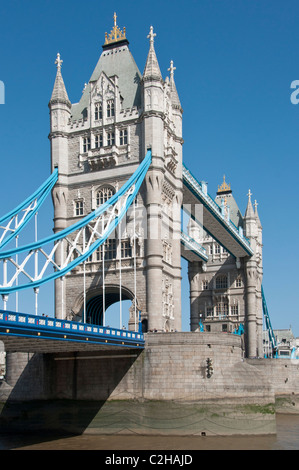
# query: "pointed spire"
{"points": [[173, 91], [59, 93], [249, 213], [152, 69], [256, 214]]}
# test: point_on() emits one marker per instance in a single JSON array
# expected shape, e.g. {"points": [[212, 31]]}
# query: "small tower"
{"points": [[254, 275], [60, 111], [162, 128]]}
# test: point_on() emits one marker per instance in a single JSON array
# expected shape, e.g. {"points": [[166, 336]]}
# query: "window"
{"points": [[123, 137], [109, 250], [104, 194], [205, 284], [86, 144], [79, 207], [98, 112], [217, 248], [238, 282], [110, 108], [110, 138], [221, 309], [209, 311], [98, 141], [211, 249], [126, 249], [99, 254], [221, 282], [234, 309]]}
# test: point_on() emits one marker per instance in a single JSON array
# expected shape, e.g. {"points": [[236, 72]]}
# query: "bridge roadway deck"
{"points": [[212, 218], [30, 333]]}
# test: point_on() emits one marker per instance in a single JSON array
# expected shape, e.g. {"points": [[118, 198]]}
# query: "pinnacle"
{"points": [[59, 91], [152, 69], [249, 213]]}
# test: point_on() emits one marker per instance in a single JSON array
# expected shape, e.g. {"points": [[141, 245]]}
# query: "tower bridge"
{"points": [[119, 188]]}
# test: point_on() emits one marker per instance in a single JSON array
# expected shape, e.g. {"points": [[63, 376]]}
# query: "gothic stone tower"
{"points": [[225, 292], [97, 144]]}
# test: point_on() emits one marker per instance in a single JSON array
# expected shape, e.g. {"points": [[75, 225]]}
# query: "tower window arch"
{"points": [[104, 194]]}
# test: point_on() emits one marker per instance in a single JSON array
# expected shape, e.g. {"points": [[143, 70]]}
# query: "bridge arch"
{"points": [[95, 304]]}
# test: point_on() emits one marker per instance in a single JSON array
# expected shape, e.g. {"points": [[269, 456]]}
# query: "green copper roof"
{"points": [[234, 211], [119, 61]]}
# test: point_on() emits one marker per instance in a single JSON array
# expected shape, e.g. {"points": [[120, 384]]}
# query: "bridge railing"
{"points": [[192, 245], [28, 322]]}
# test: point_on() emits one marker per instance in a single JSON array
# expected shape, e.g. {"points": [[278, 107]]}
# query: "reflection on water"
{"points": [[287, 438]]}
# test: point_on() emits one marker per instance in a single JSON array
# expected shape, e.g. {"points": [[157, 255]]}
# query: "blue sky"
{"points": [[235, 61]]}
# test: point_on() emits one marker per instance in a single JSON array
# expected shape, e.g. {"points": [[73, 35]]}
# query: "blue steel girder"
{"points": [[22, 332], [14, 221], [212, 219]]}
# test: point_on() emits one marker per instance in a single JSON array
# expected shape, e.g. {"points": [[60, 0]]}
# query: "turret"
{"points": [[60, 111], [254, 273]]}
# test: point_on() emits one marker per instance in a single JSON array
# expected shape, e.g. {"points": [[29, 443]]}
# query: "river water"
{"points": [[287, 438]]}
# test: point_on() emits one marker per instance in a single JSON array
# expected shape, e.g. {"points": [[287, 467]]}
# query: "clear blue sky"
{"points": [[235, 61]]}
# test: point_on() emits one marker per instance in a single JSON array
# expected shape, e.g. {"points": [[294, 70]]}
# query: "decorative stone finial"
{"points": [[171, 69], [151, 36], [58, 62], [249, 195]]}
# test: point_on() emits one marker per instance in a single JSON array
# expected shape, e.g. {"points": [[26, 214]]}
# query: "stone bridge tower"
{"points": [[97, 144], [225, 292]]}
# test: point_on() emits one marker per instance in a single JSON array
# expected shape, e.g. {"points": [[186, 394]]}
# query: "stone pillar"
{"points": [[193, 271], [154, 251], [251, 311]]}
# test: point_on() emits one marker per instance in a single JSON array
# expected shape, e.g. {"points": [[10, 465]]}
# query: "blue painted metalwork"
{"points": [[23, 325], [240, 330], [268, 325], [131, 188], [29, 208], [196, 188]]}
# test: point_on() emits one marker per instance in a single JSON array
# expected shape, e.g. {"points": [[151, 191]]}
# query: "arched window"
{"points": [[104, 194], [110, 108]]}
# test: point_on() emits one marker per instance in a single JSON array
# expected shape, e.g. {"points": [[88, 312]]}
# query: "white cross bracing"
{"points": [[66, 251], [12, 223], [17, 222], [72, 246]]}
